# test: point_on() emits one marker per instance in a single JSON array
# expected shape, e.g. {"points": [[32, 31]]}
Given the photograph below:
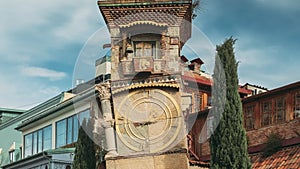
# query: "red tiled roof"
{"points": [[244, 90], [287, 158], [190, 76], [194, 77]]}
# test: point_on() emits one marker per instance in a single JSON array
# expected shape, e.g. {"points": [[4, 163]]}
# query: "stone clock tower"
{"points": [[149, 106]]}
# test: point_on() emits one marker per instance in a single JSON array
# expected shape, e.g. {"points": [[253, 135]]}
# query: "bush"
{"points": [[272, 145]]}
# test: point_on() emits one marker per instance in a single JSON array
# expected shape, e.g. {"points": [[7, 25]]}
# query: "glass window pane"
{"points": [[47, 138], [145, 49], [35, 143], [138, 46], [75, 128], [266, 113], [148, 49], [280, 109], [249, 113], [84, 115], [28, 145], [12, 156], [40, 141], [61, 133], [69, 130]]}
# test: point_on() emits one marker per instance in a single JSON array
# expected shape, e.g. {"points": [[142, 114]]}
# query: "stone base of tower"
{"points": [[163, 161]]}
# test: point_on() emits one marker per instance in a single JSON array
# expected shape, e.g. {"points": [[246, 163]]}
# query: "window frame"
{"points": [[154, 51], [249, 112], [64, 134], [34, 145], [11, 156], [71, 135], [28, 145], [268, 113], [281, 109], [297, 104]]}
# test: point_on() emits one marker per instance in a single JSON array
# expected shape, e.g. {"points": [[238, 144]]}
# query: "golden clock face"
{"points": [[148, 120]]}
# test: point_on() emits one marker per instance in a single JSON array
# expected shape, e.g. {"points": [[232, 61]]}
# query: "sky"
{"points": [[43, 43]]}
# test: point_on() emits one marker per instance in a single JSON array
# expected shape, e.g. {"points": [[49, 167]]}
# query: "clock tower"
{"points": [[148, 101]]}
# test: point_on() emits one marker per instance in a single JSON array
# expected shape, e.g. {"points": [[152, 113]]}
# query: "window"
{"points": [[47, 138], [38, 141], [34, 143], [12, 156], [249, 117], [61, 134], [28, 145], [297, 104], [67, 129], [266, 113], [84, 115], [145, 49], [280, 108]]}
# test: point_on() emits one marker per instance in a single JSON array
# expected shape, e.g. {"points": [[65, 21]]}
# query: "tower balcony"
{"points": [[143, 64]]}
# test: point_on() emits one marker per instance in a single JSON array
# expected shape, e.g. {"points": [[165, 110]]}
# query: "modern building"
{"points": [[48, 137], [8, 114], [9, 146]]}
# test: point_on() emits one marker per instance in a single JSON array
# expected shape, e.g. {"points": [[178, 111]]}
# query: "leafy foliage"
{"points": [[85, 150], [273, 144], [228, 143]]}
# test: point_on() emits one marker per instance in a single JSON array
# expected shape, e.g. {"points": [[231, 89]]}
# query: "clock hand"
{"points": [[144, 123]]}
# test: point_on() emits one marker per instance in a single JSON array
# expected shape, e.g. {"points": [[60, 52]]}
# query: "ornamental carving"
{"points": [[103, 90]]}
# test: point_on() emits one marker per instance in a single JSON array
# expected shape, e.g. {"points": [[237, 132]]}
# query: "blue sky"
{"points": [[41, 42]]}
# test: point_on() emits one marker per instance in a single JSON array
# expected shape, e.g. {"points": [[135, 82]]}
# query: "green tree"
{"points": [[85, 149], [228, 143]]}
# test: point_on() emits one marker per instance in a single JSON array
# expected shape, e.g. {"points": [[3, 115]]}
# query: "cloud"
{"points": [[39, 28], [284, 5], [41, 33], [76, 25], [263, 62], [43, 72], [23, 93]]}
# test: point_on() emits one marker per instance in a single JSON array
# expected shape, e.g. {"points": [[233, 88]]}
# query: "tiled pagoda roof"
{"points": [[158, 14]]}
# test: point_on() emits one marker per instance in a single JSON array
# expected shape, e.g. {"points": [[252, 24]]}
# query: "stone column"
{"points": [[105, 95]]}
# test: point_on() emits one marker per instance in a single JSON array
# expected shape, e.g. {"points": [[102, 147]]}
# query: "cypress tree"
{"points": [[85, 150], [228, 143]]}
